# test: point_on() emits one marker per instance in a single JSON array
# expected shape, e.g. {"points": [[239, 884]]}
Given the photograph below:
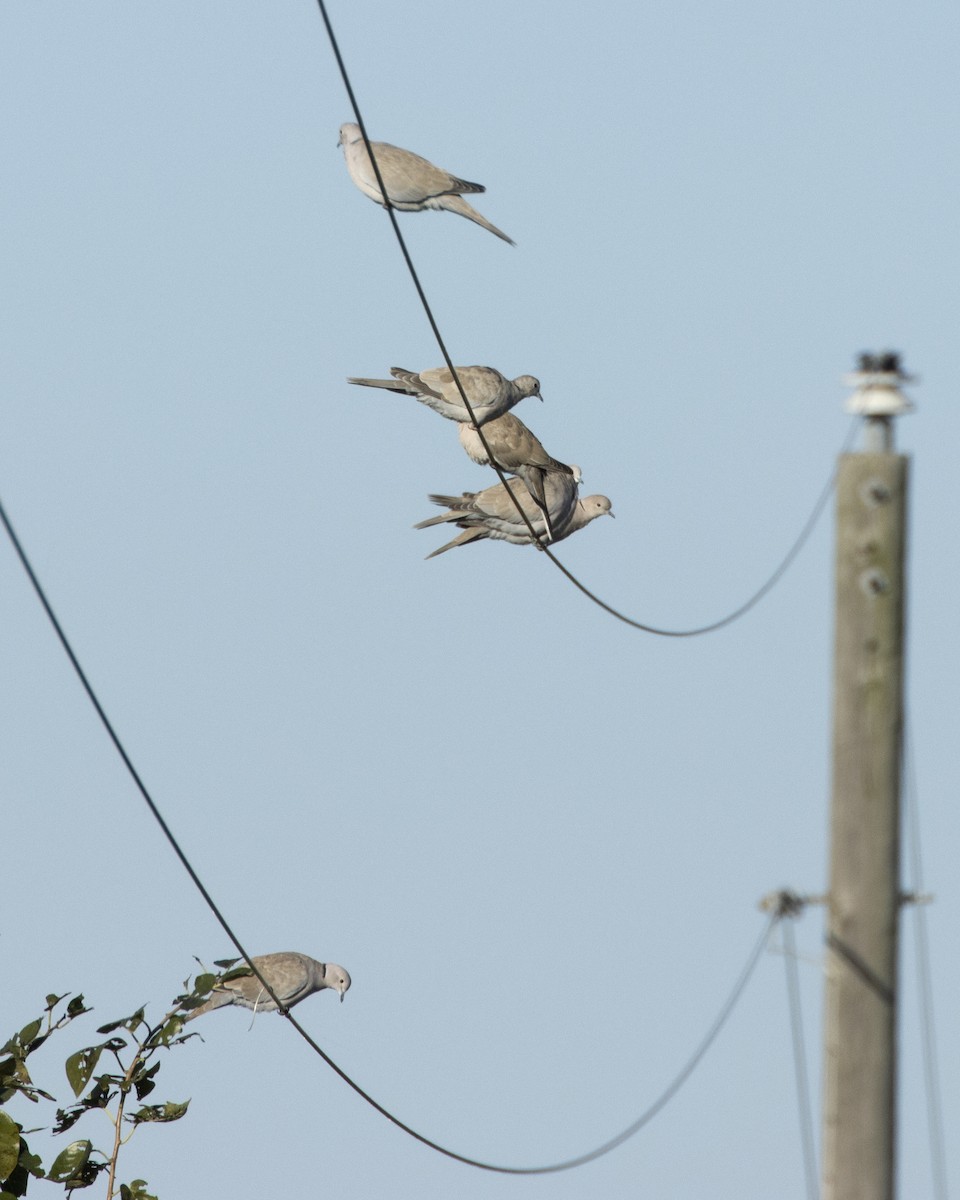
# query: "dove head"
{"points": [[597, 506], [337, 978], [527, 385], [349, 133]]}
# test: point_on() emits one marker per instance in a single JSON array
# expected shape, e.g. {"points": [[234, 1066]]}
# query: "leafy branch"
{"points": [[130, 1051]]}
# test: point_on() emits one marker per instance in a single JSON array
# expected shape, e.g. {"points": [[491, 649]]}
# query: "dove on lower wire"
{"points": [[490, 393], [484, 515], [497, 510], [413, 184], [292, 976], [518, 452]]}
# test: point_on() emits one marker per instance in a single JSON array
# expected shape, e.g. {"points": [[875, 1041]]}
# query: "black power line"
{"points": [[804, 1108], [565, 1165], [928, 1037], [755, 955], [634, 624]]}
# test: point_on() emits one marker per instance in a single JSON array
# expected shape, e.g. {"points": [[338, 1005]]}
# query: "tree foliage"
{"points": [[111, 1075]]}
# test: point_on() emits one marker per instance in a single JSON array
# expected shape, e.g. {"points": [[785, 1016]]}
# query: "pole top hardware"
{"points": [[877, 382]]}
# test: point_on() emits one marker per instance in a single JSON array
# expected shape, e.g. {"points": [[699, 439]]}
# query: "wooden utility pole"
{"points": [[859, 1121]]}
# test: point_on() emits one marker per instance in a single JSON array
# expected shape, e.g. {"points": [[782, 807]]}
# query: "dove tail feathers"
{"points": [[455, 505], [451, 501], [456, 204], [442, 519], [392, 385], [468, 535], [464, 185], [217, 1000]]}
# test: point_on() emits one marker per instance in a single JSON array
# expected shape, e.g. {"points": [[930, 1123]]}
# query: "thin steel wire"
{"points": [[551, 1168], [938, 1157], [608, 608], [599, 1151], [804, 1108]]}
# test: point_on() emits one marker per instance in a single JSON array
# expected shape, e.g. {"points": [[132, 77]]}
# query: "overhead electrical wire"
{"points": [[804, 1107], [685, 1072], [608, 608], [938, 1157], [755, 955]]}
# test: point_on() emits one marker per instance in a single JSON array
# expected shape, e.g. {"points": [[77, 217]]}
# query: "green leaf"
{"points": [[76, 1007], [29, 1032], [14, 1076], [204, 983], [8, 1077], [99, 1096], [69, 1163], [223, 963], [68, 1117], [169, 1031], [30, 1162], [31, 1093], [136, 1191], [143, 1081], [9, 1145], [81, 1066], [88, 1175], [16, 1185], [112, 1025], [160, 1112], [236, 973], [130, 1022], [53, 1001]]}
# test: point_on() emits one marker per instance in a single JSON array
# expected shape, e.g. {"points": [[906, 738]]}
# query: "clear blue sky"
{"points": [[536, 838]]}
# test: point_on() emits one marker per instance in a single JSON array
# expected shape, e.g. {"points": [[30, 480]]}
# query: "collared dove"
{"points": [[518, 452], [292, 976], [494, 509], [412, 183], [490, 393], [492, 514]]}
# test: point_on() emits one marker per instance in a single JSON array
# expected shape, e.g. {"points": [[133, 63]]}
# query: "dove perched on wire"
{"points": [[412, 183], [492, 514], [490, 393], [518, 452], [496, 511], [292, 976]]}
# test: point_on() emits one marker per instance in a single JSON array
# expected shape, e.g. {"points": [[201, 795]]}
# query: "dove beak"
{"points": [[609, 514], [341, 995]]}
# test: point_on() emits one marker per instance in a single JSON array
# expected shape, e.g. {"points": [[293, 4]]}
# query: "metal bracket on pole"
{"points": [[787, 903]]}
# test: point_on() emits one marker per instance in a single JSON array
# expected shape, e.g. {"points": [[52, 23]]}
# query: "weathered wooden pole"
{"points": [[859, 1119]]}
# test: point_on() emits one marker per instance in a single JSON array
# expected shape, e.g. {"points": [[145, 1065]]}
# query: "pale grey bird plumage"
{"points": [[492, 514], [517, 451], [494, 508], [490, 393], [413, 184], [292, 976]]}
